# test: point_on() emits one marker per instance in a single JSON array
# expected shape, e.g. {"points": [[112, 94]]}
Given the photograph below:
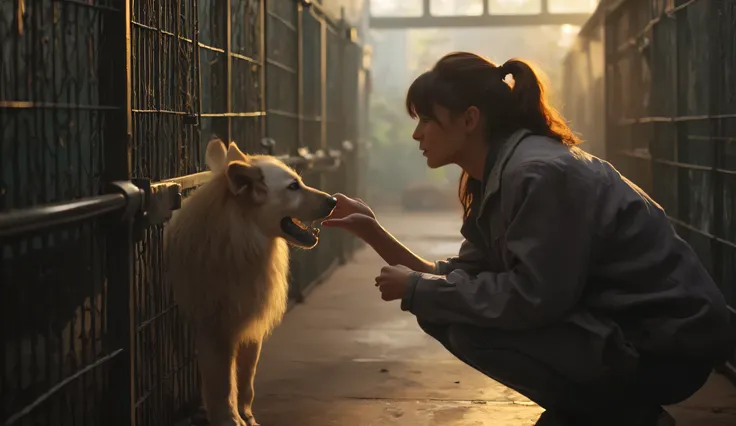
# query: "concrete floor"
{"points": [[347, 358]]}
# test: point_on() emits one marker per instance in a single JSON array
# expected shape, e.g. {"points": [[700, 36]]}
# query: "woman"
{"points": [[571, 286]]}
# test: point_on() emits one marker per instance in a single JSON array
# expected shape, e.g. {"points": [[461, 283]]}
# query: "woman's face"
{"points": [[442, 138]]}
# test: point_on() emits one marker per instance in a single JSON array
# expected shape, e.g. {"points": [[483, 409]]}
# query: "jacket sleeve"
{"points": [[469, 259], [547, 248]]}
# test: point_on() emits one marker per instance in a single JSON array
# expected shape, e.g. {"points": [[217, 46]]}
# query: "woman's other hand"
{"points": [[393, 282]]}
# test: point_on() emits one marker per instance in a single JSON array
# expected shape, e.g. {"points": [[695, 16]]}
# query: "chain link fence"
{"points": [[105, 104]]}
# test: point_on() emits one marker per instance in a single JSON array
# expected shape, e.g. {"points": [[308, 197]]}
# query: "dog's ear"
{"points": [[245, 178], [216, 155], [235, 154]]}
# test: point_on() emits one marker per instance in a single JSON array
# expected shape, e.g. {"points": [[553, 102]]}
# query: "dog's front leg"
{"points": [[216, 358], [247, 361]]}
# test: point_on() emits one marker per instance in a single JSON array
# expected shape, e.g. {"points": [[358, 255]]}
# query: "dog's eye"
{"points": [[294, 186]]}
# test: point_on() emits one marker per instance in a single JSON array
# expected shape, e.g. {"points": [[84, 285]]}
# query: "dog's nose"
{"points": [[332, 202]]}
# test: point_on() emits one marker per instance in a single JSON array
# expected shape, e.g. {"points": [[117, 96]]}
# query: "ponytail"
{"points": [[531, 105], [461, 79]]}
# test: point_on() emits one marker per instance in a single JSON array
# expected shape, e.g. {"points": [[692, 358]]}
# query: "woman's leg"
{"points": [[570, 372]]}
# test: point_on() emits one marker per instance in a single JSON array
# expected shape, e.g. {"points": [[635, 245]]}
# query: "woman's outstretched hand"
{"points": [[352, 215], [393, 282], [347, 206]]}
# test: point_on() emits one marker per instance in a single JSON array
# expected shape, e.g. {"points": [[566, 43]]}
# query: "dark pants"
{"points": [[559, 369]]}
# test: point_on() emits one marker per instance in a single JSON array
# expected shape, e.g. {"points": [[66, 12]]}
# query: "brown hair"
{"points": [[460, 80]]}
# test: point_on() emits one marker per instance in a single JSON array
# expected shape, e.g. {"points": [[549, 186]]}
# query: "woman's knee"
{"points": [[462, 337], [507, 364], [456, 338], [438, 331]]}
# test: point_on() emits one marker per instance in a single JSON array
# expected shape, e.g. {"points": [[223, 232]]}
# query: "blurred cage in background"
{"points": [[670, 114], [93, 159], [314, 95], [583, 85]]}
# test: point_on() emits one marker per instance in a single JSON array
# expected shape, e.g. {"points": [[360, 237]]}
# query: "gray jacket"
{"points": [[561, 236]]}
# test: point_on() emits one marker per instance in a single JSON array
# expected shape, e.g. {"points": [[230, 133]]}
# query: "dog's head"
{"points": [[271, 193]]}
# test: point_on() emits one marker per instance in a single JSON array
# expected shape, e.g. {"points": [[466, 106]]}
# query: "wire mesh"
{"points": [[282, 86], [247, 68], [307, 266], [50, 111], [56, 348], [312, 80], [330, 247], [672, 115], [165, 89], [166, 143], [583, 87], [197, 71], [334, 81], [351, 96], [213, 69], [56, 351], [165, 362]]}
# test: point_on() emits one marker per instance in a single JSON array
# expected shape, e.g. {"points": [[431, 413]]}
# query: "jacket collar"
{"points": [[492, 182]]}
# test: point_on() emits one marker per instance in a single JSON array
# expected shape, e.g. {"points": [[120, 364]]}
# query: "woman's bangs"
{"points": [[420, 97]]}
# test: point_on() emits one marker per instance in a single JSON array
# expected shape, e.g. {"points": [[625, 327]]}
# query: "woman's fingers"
{"points": [[338, 222]]}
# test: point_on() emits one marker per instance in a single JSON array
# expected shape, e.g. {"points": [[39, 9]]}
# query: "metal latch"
{"points": [[159, 202], [268, 145]]}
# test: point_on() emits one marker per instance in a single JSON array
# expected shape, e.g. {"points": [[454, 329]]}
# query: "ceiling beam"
{"points": [[430, 21]]}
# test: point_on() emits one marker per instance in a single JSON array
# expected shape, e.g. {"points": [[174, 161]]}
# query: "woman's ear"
{"points": [[472, 119]]}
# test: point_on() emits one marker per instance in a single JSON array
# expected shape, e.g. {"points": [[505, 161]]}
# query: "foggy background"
{"points": [[397, 171]]}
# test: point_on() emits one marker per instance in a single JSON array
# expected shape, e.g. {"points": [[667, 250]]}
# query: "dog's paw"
{"points": [[249, 419], [232, 422]]}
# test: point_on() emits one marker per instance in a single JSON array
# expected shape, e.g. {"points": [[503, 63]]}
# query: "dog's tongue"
{"points": [[299, 223], [299, 230]]}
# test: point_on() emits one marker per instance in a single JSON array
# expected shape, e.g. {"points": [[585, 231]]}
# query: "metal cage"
{"points": [[309, 75], [671, 118], [105, 111]]}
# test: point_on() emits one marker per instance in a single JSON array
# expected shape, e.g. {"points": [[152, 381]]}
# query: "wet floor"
{"points": [[347, 358]]}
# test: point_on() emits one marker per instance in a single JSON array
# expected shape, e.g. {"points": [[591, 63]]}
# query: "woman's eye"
{"points": [[294, 186]]}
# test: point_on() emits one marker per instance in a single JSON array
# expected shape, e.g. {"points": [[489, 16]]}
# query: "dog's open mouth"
{"points": [[306, 235]]}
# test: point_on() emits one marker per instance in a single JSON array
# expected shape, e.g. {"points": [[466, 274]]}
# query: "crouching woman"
{"points": [[571, 286]]}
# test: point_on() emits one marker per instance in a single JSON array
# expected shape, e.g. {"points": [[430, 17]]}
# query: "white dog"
{"points": [[227, 259]]}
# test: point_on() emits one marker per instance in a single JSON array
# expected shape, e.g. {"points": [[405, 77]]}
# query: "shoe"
{"points": [[665, 419], [658, 417], [553, 418]]}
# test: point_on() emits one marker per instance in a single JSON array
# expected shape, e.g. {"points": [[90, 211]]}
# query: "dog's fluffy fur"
{"points": [[227, 259]]}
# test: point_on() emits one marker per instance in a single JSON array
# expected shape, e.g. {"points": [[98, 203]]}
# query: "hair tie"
{"points": [[507, 76]]}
